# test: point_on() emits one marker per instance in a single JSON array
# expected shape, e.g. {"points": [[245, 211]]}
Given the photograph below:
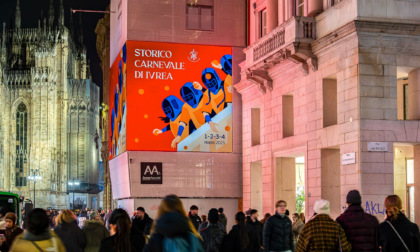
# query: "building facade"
{"points": [[333, 83], [50, 113], [204, 178]]}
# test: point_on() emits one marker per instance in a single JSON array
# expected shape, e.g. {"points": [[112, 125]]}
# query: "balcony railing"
{"points": [[301, 30]]}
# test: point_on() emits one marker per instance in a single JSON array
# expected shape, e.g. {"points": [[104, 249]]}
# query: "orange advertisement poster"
{"points": [[178, 97]]}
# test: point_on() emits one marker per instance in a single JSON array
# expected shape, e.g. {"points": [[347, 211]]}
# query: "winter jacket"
{"points": [[388, 239], [72, 236], [95, 231], [233, 242], [23, 243], [360, 228], [213, 237], [10, 235], [277, 235], [137, 244], [205, 224], [257, 226], [322, 233], [142, 226], [223, 219], [195, 219], [297, 229], [171, 225]]}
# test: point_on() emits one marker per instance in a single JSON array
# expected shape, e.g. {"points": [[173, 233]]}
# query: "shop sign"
{"points": [[151, 173]]}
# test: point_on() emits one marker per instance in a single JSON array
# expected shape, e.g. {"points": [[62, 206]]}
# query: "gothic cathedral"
{"points": [[49, 119]]}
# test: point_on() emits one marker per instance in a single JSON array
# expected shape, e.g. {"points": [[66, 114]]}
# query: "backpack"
{"points": [[179, 244]]}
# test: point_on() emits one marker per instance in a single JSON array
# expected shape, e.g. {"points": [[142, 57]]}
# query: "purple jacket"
{"points": [[360, 228]]}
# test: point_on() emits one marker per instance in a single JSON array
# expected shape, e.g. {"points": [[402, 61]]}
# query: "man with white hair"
{"points": [[322, 233]]}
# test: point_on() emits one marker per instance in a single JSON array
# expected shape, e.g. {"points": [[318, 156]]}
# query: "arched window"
{"points": [[21, 144]]}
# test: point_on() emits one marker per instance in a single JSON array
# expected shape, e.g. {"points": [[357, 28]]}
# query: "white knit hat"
{"points": [[322, 206]]}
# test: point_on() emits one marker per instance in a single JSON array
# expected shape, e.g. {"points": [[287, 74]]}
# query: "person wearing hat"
{"points": [[322, 233], [95, 231], [277, 232], [213, 234], [359, 226], [10, 233]]}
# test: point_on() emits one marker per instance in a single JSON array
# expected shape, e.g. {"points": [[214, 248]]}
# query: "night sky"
{"points": [[31, 11]]}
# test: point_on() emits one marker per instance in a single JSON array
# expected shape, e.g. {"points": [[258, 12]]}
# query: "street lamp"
{"points": [[35, 176], [73, 183]]}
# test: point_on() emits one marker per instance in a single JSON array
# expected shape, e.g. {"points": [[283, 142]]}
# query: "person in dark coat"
{"points": [[172, 226], [252, 223], [213, 234], [194, 217], [241, 239], [222, 218], [277, 234], [10, 233], [69, 232], [95, 231], [387, 238], [142, 223], [121, 238], [360, 227]]}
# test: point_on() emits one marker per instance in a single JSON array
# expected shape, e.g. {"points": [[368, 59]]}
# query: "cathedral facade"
{"points": [[50, 113]]}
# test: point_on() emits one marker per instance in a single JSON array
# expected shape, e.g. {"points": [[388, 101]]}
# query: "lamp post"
{"points": [[34, 177], [73, 183]]}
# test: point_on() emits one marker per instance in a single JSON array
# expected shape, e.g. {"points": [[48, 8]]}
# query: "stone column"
{"points": [[281, 12], [314, 7], [272, 15], [414, 94], [417, 184]]}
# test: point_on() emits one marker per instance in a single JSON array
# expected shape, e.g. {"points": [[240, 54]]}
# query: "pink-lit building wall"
{"points": [[205, 179], [325, 85]]}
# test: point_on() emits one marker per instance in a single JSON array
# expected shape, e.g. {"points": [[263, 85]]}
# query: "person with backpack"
{"points": [[397, 233], [121, 239], [37, 236], [172, 230], [240, 238], [213, 234]]}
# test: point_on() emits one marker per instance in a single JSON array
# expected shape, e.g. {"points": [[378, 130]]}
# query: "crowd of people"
{"points": [[175, 230]]}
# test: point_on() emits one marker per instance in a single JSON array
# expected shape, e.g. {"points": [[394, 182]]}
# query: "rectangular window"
{"points": [[329, 100], [405, 92], [263, 22], [255, 126], [288, 116], [200, 17], [300, 7]]}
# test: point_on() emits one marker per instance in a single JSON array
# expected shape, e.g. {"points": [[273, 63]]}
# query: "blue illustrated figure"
{"points": [[191, 95], [124, 51], [214, 84], [172, 107], [226, 63]]}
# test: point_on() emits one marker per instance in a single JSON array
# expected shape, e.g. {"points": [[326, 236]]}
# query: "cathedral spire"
{"points": [[51, 18], [61, 15], [80, 30], [17, 15]]}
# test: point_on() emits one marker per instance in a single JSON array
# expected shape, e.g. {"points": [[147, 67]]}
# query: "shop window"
{"points": [[200, 17], [331, 180], [288, 117], [329, 100], [256, 186], [255, 126], [263, 23]]}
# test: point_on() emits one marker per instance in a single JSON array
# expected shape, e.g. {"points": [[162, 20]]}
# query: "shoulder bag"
{"points": [[398, 236]]}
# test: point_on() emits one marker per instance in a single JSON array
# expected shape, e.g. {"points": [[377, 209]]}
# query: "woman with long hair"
{"points": [[241, 239], [172, 230], [266, 216], [397, 233], [121, 239], [69, 232]]}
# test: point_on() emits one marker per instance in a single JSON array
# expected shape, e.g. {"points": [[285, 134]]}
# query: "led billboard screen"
{"points": [[172, 97]]}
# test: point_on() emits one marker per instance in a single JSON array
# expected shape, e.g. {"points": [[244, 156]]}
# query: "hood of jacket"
{"points": [[172, 224], [93, 224]]}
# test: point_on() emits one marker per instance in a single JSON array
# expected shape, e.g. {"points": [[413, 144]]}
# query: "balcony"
{"points": [[289, 41]]}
